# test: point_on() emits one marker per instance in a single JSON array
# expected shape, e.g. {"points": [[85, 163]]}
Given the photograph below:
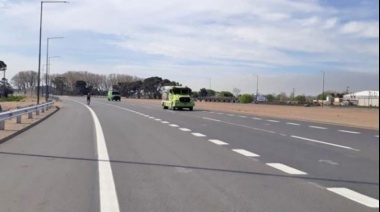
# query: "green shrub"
{"points": [[12, 99], [246, 99]]}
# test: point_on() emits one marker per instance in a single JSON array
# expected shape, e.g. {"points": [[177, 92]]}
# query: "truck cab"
{"points": [[176, 97]]}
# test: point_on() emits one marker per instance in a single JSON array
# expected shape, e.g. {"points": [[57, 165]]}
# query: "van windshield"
{"points": [[181, 91]]}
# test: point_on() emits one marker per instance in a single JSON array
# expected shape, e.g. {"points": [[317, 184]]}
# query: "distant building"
{"points": [[363, 98]]}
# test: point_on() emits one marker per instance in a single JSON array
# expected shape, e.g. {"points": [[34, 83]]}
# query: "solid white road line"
{"points": [[273, 121], [246, 153], [238, 125], [350, 132], [318, 127], [185, 129], [173, 125], [322, 142], [356, 197], [108, 197], [286, 169], [218, 142], [198, 135], [294, 124]]}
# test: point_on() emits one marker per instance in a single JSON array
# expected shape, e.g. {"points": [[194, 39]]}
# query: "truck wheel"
{"points": [[165, 108], [109, 100], [191, 109]]}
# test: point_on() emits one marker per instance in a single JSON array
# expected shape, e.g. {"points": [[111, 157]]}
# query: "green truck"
{"points": [[176, 97]]}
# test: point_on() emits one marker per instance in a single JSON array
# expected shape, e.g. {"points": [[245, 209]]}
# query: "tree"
{"points": [[301, 98], [236, 92], [196, 94], [203, 92], [81, 87], [270, 97], [61, 85], [225, 94], [282, 97], [246, 99], [211, 93]]}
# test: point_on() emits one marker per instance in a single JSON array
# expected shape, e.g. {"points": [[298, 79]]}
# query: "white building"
{"points": [[363, 98]]}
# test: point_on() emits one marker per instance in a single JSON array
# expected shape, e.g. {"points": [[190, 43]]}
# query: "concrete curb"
{"points": [[28, 127]]}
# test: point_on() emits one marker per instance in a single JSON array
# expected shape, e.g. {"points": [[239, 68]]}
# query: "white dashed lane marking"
{"points": [[165, 122], [243, 116], [198, 135], [350, 132], [173, 125], [293, 124], [356, 197], [286, 169], [318, 127], [230, 115], [246, 153], [218, 142], [185, 129], [158, 120], [273, 121], [257, 118], [325, 143]]}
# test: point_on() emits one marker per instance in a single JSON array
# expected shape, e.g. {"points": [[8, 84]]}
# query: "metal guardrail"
{"points": [[19, 112]]}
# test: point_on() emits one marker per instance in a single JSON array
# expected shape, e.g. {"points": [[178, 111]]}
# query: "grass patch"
{"points": [[12, 99]]}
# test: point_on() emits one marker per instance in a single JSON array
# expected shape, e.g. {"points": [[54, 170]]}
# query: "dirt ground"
{"points": [[12, 127], [354, 117]]}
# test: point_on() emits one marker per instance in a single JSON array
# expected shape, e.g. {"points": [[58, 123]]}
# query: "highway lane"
{"points": [[51, 167], [191, 152], [160, 166], [335, 166]]}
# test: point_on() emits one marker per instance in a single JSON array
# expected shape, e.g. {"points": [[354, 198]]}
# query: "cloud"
{"points": [[362, 29]]}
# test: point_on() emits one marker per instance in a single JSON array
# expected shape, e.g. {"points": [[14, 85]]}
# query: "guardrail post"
{"points": [[37, 112], [43, 110], [2, 125], [19, 119], [30, 115]]}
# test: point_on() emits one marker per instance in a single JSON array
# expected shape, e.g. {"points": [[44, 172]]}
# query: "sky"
{"points": [[286, 43]]}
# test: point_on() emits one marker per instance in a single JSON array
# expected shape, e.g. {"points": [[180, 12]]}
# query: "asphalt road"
{"points": [[118, 156]]}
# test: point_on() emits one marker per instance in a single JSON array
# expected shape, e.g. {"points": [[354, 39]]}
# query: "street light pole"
{"points": [[39, 47], [323, 88], [48, 71], [209, 80], [48, 65], [257, 86]]}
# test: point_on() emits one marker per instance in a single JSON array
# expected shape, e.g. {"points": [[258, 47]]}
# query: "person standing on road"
{"points": [[88, 98]]}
